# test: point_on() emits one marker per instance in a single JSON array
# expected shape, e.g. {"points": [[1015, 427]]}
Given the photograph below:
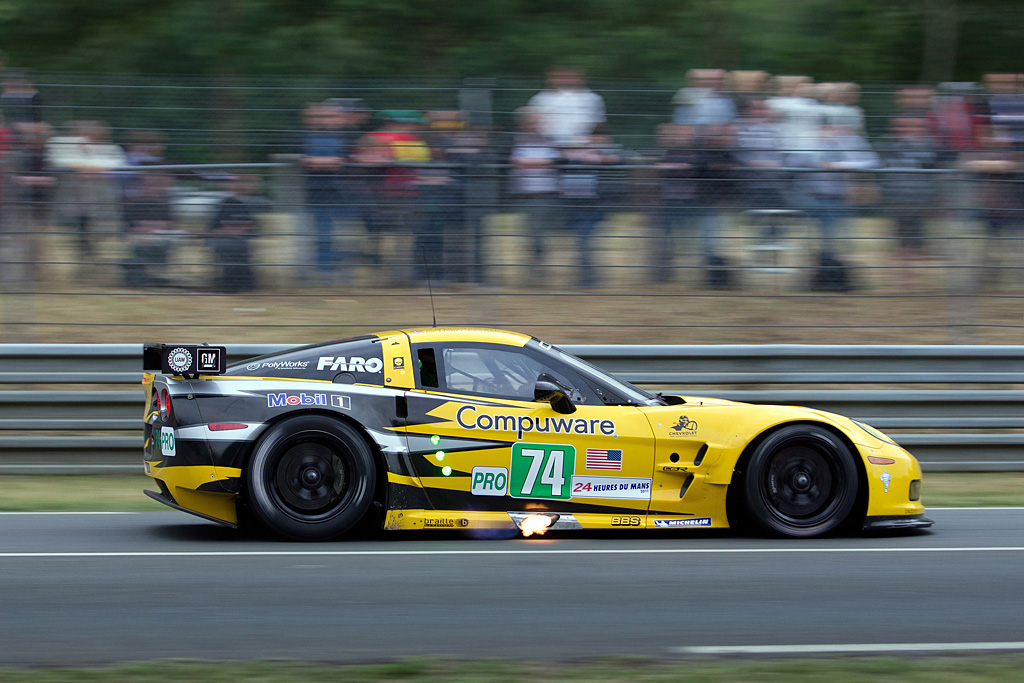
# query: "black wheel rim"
{"points": [[311, 478], [803, 484]]}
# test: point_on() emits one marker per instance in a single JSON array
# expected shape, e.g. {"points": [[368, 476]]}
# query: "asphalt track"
{"points": [[96, 588]]}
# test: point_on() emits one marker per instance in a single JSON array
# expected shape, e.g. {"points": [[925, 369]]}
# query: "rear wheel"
{"points": [[311, 478], [801, 481]]}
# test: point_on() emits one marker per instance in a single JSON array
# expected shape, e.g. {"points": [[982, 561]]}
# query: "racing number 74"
{"points": [[541, 470]]}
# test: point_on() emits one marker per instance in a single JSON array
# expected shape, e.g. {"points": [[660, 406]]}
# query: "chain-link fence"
{"points": [[289, 210]]}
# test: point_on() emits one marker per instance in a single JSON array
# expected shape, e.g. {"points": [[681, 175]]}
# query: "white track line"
{"points": [[852, 648], [497, 551], [992, 507], [73, 512], [163, 511]]}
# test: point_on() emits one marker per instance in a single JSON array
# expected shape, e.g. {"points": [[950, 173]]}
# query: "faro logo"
{"points": [[489, 481]]}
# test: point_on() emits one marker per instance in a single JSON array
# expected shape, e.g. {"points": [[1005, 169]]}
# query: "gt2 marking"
{"points": [[541, 470], [468, 419]]}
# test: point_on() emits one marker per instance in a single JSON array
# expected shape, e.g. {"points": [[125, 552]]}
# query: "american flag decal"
{"points": [[604, 459]]}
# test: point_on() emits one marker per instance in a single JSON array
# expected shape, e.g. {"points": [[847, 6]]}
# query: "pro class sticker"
{"points": [[489, 481], [167, 442]]}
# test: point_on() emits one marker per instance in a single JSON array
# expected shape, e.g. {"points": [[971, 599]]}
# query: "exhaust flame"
{"points": [[535, 524]]}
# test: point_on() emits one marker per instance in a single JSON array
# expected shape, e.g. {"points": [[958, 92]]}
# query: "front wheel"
{"points": [[311, 478], [801, 481]]}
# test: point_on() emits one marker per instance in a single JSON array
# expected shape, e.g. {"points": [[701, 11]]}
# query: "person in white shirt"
{"points": [[567, 110], [87, 187]]}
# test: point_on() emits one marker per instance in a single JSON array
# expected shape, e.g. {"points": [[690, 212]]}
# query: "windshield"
{"points": [[592, 373]]}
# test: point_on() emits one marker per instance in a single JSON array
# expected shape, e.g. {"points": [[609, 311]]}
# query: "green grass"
{"points": [[117, 492], [972, 669]]}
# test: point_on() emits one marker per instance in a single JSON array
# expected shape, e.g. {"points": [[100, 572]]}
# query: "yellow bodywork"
{"points": [[688, 451]]}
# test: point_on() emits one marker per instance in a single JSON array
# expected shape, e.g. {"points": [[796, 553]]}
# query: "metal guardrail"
{"points": [[68, 407]]}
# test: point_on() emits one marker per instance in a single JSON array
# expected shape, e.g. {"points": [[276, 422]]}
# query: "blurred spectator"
{"points": [[827, 193], [799, 113], [30, 189], [716, 173], [839, 106], [759, 150], [325, 149], [997, 190], [19, 99], [534, 182], [582, 185], [457, 206], [701, 102], [474, 152], [568, 112], [957, 120], [145, 148], [150, 231], [231, 234], [87, 193], [677, 170], [915, 102], [5, 164], [910, 195], [399, 152], [1006, 106]]}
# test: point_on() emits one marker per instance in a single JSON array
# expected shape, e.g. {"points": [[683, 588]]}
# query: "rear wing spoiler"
{"points": [[186, 360]]}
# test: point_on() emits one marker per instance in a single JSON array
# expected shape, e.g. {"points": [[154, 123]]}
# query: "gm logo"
{"points": [[489, 481]]}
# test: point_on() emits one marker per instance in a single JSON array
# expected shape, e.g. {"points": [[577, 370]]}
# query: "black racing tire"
{"points": [[311, 478], [801, 482]]}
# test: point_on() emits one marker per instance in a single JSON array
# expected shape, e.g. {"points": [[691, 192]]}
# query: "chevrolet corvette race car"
{"points": [[486, 429]]}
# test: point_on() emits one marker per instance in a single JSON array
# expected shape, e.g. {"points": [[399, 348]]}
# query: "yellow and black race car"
{"points": [[485, 429]]}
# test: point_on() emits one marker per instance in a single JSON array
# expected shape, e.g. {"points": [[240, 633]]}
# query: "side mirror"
{"points": [[549, 392]]}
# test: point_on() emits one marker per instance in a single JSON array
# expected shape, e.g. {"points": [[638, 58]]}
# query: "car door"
{"points": [[479, 440]]}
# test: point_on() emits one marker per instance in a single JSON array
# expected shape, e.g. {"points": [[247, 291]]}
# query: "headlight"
{"points": [[915, 489], [874, 432]]}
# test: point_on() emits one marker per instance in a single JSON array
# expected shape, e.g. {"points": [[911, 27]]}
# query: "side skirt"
{"points": [[169, 502]]}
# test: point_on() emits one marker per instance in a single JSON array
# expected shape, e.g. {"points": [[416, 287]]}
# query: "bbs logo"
{"points": [[625, 521]]}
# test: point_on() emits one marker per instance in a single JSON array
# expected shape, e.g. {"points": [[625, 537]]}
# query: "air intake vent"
{"points": [[700, 454], [686, 485]]}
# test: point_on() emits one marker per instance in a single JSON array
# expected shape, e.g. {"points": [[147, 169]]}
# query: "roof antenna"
{"points": [[430, 290]]}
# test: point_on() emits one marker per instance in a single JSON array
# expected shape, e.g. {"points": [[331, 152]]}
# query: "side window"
{"points": [[506, 373], [428, 368]]}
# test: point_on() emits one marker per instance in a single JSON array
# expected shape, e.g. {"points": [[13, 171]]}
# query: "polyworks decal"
{"points": [[684, 426], [626, 488], [278, 365], [696, 521], [352, 364], [523, 424]]}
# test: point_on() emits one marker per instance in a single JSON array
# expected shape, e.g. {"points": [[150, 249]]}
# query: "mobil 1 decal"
{"points": [[542, 470]]}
